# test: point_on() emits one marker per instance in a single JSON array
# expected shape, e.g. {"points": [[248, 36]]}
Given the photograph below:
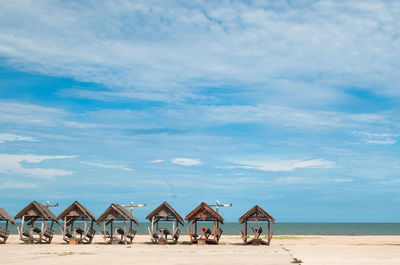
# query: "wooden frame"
{"points": [[164, 213], [4, 231], [256, 214], [117, 235], [32, 214], [76, 212], [204, 213]]}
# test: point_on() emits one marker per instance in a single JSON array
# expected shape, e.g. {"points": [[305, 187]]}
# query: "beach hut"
{"points": [[159, 216], [204, 213], [34, 213], [256, 214], [4, 232], [77, 213], [117, 235]]}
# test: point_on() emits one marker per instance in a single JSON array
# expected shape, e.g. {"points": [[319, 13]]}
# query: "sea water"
{"points": [[278, 228]]}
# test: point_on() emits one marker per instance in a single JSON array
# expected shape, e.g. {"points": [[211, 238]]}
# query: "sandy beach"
{"points": [[283, 250]]}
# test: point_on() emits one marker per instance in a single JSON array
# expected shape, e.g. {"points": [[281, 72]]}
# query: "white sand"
{"points": [[382, 250]]}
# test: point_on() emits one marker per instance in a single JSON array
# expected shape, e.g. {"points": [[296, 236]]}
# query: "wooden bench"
{"points": [[46, 236], [88, 237], [176, 235], [4, 233], [131, 234], [153, 236]]}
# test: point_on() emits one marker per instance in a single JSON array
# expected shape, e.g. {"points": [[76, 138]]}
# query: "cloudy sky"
{"points": [[292, 105]]}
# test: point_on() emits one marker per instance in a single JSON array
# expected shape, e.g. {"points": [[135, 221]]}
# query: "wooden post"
{"points": [[111, 225], [84, 229], [7, 225], [105, 231], [173, 226], [245, 228], [195, 225], [269, 227], [191, 227], [214, 232], [22, 226], [65, 225], [125, 232], [152, 225]]}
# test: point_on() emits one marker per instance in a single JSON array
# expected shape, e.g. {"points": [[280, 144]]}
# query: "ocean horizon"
{"points": [[282, 228]]}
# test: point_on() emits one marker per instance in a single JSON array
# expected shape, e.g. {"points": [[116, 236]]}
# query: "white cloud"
{"points": [[23, 113], [148, 50], [378, 138], [156, 161], [342, 180], [186, 161], [18, 185], [14, 164], [7, 137], [106, 165], [284, 165]]}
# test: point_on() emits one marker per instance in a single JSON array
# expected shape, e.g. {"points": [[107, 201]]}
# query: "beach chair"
{"points": [[67, 236], [153, 236], [106, 236], [4, 233], [131, 234], [176, 235], [88, 236], [218, 234], [46, 236], [27, 237]]}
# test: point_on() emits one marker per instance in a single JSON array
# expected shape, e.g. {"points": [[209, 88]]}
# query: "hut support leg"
{"points": [[124, 233], [22, 227], [84, 229], [215, 231], [111, 231]]}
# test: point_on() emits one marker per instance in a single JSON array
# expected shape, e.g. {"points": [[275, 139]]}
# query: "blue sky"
{"points": [[292, 105]]}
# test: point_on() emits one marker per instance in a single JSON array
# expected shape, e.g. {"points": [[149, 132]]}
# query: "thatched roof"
{"points": [[256, 214], [165, 210], [36, 210], [76, 210], [204, 213], [4, 216], [117, 212]]}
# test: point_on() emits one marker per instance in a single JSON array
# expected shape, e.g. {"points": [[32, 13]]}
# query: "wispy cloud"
{"points": [[235, 42], [186, 161], [17, 185], [14, 164], [96, 164], [156, 161], [378, 138], [283, 165], [7, 137], [342, 180]]}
